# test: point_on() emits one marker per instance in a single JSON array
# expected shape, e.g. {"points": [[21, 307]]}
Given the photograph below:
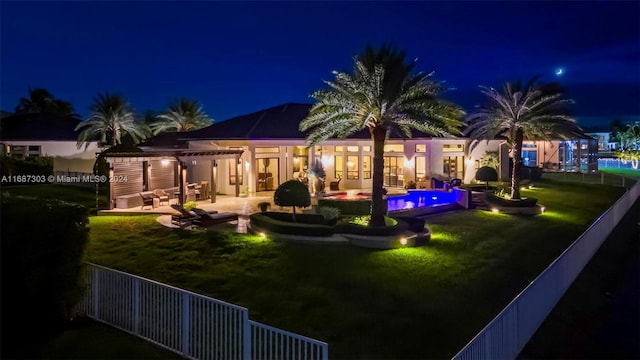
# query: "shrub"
{"points": [[330, 214], [500, 201], [43, 244], [292, 193], [189, 205], [349, 206], [359, 226], [40, 165], [531, 173], [486, 174], [270, 222], [415, 224]]}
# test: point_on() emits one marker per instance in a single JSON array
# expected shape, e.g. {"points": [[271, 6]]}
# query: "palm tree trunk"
{"points": [[379, 136], [517, 164]]}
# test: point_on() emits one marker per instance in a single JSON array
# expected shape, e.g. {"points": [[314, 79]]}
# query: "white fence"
{"points": [[507, 334], [190, 324]]}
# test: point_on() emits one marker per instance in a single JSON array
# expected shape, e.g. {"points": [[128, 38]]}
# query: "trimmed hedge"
{"points": [[497, 200], [414, 224], [350, 206], [279, 224], [43, 243], [40, 165]]}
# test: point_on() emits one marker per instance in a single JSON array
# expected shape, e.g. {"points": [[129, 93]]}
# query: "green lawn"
{"points": [[407, 303], [85, 196], [634, 174], [611, 177]]}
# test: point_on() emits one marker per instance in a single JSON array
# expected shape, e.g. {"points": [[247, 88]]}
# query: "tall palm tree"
{"points": [[534, 111], [383, 96], [182, 115], [111, 118], [42, 101]]}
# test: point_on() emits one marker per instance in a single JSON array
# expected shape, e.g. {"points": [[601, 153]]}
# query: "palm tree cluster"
{"points": [[383, 96], [43, 102], [182, 115], [629, 140]]}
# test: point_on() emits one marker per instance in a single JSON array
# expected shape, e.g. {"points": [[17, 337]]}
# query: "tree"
{"points": [[383, 96], [530, 111], [292, 193], [42, 101], [110, 120], [183, 115]]}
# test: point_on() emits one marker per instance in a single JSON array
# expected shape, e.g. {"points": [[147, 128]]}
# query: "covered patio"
{"points": [[154, 177]]}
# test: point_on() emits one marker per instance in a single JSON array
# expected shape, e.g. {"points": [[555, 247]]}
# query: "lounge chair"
{"points": [[161, 195], [335, 185], [212, 218], [185, 218]]}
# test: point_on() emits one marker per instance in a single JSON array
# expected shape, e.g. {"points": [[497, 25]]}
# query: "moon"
{"points": [[559, 71]]}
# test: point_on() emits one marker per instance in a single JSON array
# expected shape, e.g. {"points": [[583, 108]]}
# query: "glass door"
{"points": [[393, 171], [268, 174], [453, 167]]}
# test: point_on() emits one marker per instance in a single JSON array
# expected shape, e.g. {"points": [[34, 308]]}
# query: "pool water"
{"points": [[421, 198]]}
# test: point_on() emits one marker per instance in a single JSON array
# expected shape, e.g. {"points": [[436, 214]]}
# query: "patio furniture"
{"points": [[206, 219], [204, 190], [162, 196], [147, 199], [185, 218], [455, 182], [335, 185]]}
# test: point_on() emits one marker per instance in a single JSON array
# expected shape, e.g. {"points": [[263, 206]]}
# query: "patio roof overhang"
{"points": [[181, 155]]}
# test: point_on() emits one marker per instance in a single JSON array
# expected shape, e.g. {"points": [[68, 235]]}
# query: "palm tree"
{"points": [[42, 101], [381, 96], [530, 111], [111, 117], [183, 115]]}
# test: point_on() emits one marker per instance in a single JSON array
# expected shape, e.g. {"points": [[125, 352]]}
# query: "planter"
{"points": [[492, 198]]}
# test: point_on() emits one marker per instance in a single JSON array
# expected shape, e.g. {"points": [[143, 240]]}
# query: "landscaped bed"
{"points": [[424, 302]]}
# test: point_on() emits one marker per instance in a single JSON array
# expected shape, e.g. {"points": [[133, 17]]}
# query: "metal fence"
{"points": [[601, 178], [190, 324], [507, 334]]}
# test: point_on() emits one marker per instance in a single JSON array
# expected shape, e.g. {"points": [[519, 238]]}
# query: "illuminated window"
{"points": [[352, 167], [232, 172], [352, 149], [339, 171], [339, 149], [420, 148], [452, 147], [366, 148], [394, 148], [420, 168], [265, 150], [366, 167]]}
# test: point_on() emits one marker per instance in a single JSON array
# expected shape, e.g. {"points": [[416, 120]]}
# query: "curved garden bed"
{"points": [[524, 206]]}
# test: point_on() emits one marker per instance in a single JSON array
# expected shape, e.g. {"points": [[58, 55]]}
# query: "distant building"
{"points": [[31, 135]]}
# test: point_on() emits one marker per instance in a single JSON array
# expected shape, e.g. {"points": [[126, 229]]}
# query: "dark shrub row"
{"points": [[349, 207], [43, 243], [40, 165], [282, 223], [400, 227]]}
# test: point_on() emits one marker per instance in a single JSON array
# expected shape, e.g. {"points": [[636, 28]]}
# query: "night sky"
{"points": [[239, 57]]}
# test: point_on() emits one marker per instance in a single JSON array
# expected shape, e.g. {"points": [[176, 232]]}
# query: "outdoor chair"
{"points": [[206, 219], [455, 182], [147, 199], [162, 196], [335, 184]]}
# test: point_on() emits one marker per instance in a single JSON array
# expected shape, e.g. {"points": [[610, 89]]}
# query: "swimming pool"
{"points": [[421, 198]]}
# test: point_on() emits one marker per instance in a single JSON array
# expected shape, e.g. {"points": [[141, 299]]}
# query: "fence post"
{"points": [[583, 177], [136, 304], [623, 181], [185, 324], [601, 178], [96, 292], [246, 331]]}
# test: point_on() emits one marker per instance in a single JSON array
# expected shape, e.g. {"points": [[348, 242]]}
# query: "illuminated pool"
{"points": [[413, 199], [421, 198]]}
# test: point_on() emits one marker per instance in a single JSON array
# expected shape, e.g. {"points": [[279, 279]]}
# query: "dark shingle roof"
{"points": [[4, 114], [38, 127], [278, 122]]}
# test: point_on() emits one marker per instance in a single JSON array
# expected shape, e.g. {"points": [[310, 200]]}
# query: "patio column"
{"points": [[182, 173], [112, 199], [214, 173], [238, 164]]}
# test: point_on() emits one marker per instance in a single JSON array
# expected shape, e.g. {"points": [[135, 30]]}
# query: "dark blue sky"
{"points": [[238, 57]]}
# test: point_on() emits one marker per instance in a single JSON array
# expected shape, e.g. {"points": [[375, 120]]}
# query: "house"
{"points": [[31, 135], [256, 152]]}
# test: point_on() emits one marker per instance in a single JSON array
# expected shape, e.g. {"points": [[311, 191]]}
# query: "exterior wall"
{"points": [[67, 156]]}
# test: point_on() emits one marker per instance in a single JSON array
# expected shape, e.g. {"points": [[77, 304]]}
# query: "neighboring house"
{"points": [[31, 135], [606, 145]]}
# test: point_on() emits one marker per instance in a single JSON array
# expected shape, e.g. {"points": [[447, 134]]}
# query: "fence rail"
{"points": [[507, 334], [192, 325], [601, 178]]}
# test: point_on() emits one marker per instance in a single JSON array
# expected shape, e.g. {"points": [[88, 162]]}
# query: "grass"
{"points": [[634, 174], [97, 341], [407, 303], [77, 194], [610, 177]]}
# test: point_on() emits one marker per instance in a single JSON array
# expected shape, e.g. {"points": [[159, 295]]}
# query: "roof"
{"points": [[38, 127], [278, 122], [4, 114]]}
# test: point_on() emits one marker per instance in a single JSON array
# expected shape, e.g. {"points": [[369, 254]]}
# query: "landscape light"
{"points": [[403, 241], [434, 198], [263, 235], [541, 209], [495, 210]]}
